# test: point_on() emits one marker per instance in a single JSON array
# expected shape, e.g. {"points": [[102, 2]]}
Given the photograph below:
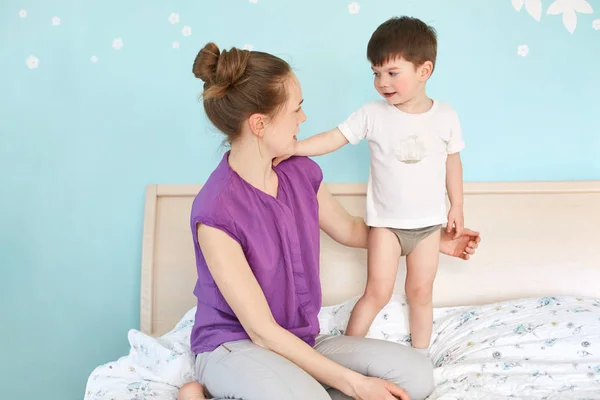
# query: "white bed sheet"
{"points": [[541, 348]]}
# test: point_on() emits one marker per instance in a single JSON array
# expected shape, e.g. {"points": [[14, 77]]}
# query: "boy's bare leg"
{"points": [[422, 265], [382, 265]]}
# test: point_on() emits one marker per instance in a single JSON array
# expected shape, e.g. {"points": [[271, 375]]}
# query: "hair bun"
{"points": [[205, 64], [219, 70]]}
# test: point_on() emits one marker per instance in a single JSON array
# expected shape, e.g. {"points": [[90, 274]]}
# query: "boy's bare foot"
{"points": [[191, 391]]}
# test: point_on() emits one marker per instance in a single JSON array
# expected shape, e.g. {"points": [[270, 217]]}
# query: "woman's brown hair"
{"points": [[239, 83]]}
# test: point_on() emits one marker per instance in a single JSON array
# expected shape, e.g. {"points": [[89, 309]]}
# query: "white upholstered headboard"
{"points": [[538, 238]]}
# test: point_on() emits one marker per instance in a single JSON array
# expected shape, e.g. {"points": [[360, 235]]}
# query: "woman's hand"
{"points": [[462, 246], [368, 388]]}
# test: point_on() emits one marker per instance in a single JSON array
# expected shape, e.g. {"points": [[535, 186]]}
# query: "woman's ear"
{"points": [[257, 124]]}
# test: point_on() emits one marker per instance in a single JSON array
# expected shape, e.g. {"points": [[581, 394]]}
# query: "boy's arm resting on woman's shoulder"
{"points": [[317, 145], [234, 278], [322, 143]]}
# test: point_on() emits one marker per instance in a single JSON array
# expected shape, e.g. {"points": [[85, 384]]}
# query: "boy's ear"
{"points": [[425, 71]]}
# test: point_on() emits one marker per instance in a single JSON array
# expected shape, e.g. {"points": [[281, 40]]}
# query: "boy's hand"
{"points": [[277, 160], [456, 220]]}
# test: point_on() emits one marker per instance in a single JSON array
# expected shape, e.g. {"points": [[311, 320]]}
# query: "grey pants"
{"points": [[244, 371]]}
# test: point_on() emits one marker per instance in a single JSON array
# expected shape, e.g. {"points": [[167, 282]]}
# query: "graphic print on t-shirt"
{"points": [[410, 150]]}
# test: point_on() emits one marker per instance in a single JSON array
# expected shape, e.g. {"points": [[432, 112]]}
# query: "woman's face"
{"points": [[280, 134]]}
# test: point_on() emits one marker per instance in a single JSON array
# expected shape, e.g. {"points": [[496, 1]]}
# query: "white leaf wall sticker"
{"points": [[582, 6], [533, 7], [596, 24], [518, 4], [569, 18], [569, 10]]}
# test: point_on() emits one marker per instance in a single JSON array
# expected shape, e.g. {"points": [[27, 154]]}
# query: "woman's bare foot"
{"points": [[191, 391]]}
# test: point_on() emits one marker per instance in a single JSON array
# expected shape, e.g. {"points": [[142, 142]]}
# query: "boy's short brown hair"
{"points": [[406, 37]]}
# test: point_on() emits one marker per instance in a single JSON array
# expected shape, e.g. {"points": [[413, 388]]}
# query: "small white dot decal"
{"points": [[32, 62], [523, 50], [117, 44], [174, 18], [353, 8]]}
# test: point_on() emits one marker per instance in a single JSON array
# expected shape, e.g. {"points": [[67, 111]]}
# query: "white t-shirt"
{"points": [[407, 177]]}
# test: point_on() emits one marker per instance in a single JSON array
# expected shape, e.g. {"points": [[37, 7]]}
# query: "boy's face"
{"points": [[398, 80]]}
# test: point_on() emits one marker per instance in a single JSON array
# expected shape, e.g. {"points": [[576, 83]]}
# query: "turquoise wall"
{"points": [[84, 126]]}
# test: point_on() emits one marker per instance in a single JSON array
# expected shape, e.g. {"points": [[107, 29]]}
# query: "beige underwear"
{"points": [[410, 238]]}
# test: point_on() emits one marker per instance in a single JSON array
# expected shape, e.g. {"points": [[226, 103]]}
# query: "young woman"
{"points": [[256, 231]]}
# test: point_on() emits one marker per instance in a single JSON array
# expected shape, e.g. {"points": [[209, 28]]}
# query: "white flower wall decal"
{"points": [[32, 62], [117, 44], [174, 18], [569, 10], [353, 8], [523, 50], [186, 31], [533, 7]]}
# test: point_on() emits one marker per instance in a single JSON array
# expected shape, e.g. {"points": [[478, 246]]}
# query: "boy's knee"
{"points": [[419, 294], [379, 297]]}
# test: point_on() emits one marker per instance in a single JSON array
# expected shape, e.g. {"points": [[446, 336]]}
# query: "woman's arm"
{"points": [[232, 274], [352, 231], [335, 221]]}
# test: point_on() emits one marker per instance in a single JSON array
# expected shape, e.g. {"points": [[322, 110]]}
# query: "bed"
{"points": [[519, 320]]}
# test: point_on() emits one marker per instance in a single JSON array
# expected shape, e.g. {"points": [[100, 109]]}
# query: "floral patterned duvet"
{"points": [[540, 348]]}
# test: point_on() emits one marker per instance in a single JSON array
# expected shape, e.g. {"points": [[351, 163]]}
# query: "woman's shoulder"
{"points": [[211, 201], [303, 167]]}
